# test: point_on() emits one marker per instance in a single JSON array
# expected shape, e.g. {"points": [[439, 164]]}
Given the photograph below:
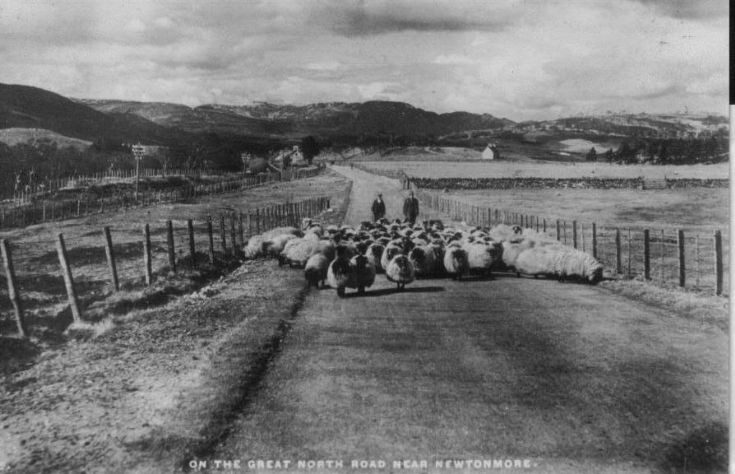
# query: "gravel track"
{"points": [[572, 377]]}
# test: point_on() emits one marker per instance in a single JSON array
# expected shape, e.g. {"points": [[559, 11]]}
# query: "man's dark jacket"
{"points": [[411, 208], [378, 208]]}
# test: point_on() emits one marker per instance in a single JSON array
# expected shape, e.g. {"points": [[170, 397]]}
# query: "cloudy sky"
{"points": [[520, 59]]}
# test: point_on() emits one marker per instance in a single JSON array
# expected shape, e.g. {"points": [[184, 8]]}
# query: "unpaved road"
{"points": [[570, 377]]}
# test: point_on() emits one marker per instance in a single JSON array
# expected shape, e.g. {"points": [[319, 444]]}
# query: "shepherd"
{"points": [[378, 208], [411, 208]]}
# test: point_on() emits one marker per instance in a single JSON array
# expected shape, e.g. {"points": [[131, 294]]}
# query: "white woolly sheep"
{"points": [[482, 257], [254, 247], [513, 248], [362, 273], [315, 269], [391, 250], [400, 271], [535, 261], [455, 261], [374, 253], [568, 262], [423, 259], [338, 273]]}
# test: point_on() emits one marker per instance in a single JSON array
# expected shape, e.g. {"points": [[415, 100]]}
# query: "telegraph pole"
{"points": [[138, 153]]}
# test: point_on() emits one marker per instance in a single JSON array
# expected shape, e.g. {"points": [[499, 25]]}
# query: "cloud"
{"points": [[521, 59], [690, 9], [365, 17]]}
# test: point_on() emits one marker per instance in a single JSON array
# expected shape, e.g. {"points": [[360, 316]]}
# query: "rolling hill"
{"points": [[32, 107], [335, 118]]}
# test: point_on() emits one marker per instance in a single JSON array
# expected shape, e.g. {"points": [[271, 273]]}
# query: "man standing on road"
{"points": [[411, 208], [378, 208]]}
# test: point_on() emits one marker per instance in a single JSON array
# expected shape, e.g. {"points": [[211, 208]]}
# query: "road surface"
{"points": [[570, 377]]}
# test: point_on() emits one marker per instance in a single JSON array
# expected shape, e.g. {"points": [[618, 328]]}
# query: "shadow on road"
{"points": [[390, 291]]}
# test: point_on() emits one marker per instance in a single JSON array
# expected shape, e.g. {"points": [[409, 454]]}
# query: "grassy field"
{"points": [[691, 209], [429, 168], [36, 262]]}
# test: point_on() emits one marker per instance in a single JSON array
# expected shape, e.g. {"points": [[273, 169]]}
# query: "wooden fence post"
{"points": [[682, 265], [646, 254], [574, 233], [210, 234], [170, 243], [240, 228], [147, 260], [558, 231], [718, 263], [192, 247], [222, 232], [68, 279], [618, 253], [257, 221], [233, 234], [111, 259], [13, 289], [594, 240]]}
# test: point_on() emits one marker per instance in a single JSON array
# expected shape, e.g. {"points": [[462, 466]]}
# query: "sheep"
{"points": [[315, 269], [391, 250], [274, 246], [502, 232], [535, 261], [254, 247], [338, 273], [401, 271], [423, 259], [568, 262], [512, 248], [297, 251], [455, 261], [483, 257], [269, 234], [374, 254], [362, 273]]}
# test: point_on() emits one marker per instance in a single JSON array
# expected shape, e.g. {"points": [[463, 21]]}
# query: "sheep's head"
{"points": [[517, 229], [341, 252], [459, 255], [595, 275], [393, 250], [417, 255], [495, 249], [377, 250], [402, 262], [361, 248]]}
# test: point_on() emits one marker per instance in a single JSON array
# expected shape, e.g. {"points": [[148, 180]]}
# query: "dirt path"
{"points": [[570, 377]]}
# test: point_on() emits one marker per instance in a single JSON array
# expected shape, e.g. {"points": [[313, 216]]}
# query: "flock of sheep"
{"points": [[347, 257]]}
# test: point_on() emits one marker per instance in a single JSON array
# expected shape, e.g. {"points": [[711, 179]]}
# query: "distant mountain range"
{"points": [[163, 123], [336, 118]]}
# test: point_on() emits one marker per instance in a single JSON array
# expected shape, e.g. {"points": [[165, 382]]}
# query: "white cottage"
{"points": [[490, 152]]}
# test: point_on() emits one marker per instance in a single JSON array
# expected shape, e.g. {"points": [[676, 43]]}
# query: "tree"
{"points": [[309, 148], [609, 155], [592, 154]]}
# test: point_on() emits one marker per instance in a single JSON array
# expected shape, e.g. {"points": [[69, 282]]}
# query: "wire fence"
{"points": [[80, 268], [694, 260], [41, 187], [83, 204]]}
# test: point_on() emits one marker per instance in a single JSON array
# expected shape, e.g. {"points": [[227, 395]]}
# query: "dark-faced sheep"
{"points": [[400, 271], [315, 269], [362, 273], [455, 261], [338, 273]]}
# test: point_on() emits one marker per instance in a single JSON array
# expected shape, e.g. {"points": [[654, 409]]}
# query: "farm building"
{"points": [[490, 152]]}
